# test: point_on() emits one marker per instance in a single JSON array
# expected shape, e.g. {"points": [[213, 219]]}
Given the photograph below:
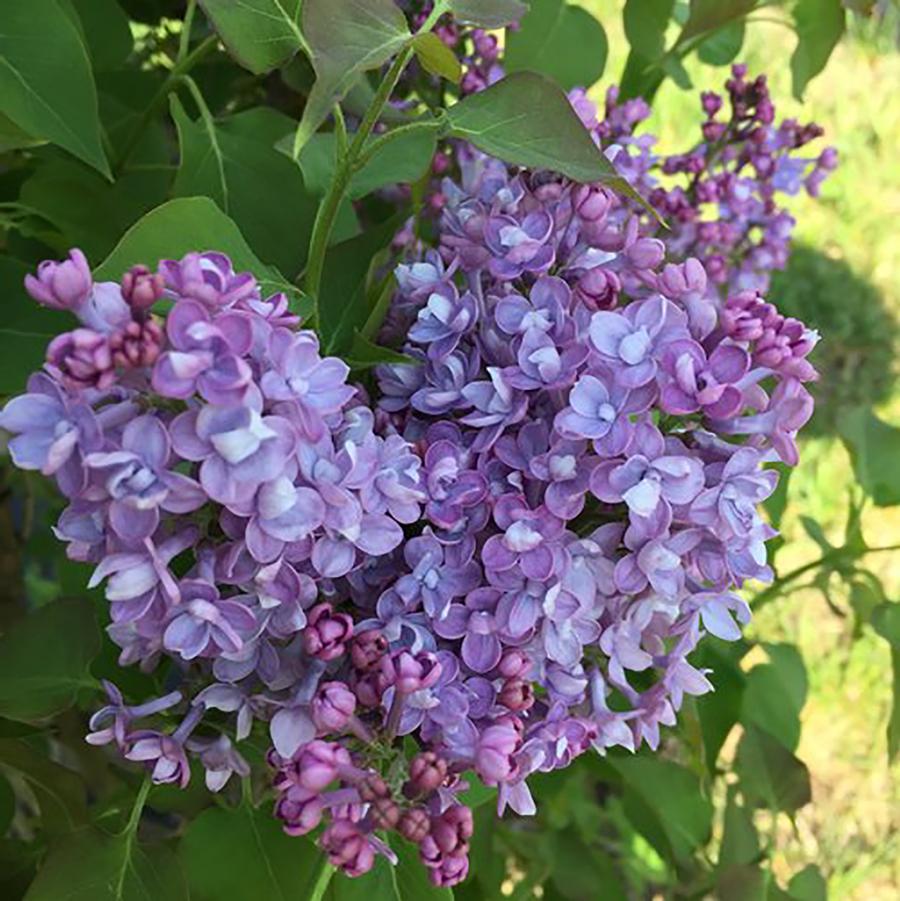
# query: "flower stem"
{"points": [[770, 593], [328, 209]]}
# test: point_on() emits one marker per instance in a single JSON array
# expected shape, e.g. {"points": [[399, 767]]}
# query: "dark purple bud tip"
{"points": [[141, 288]]}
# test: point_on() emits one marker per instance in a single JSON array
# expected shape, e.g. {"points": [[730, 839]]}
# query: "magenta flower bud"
{"points": [[367, 649], [326, 632], [828, 158], [137, 345], [494, 756], [372, 787], [646, 253], [599, 289], [408, 672], [427, 772], [332, 707], [514, 663], [452, 829], [440, 164], [713, 131], [384, 813], [62, 286], [81, 359], [141, 288], [591, 202], [347, 847], [299, 810], [678, 280], [516, 695], [711, 102], [370, 687], [451, 871], [317, 764], [414, 824]]}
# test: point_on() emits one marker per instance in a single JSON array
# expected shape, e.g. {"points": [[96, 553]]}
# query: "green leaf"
{"points": [[819, 25], [770, 774], [59, 792], [46, 84], [561, 41], [402, 161], [578, 869], [740, 842], [525, 119], [722, 46], [436, 57], [671, 795], [344, 304], [235, 163], [44, 660], [886, 622], [874, 448], [25, 327], [411, 878], [184, 225], [7, 804], [808, 885], [13, 138], [645, 23], [707, 16], [487, 13], [345, 37], [243, 854], [775, 694], [260, 34], [364, 354], [477, 793], [90, 212], [719, 710], [105, 31], [893, 727], [91, 866]]}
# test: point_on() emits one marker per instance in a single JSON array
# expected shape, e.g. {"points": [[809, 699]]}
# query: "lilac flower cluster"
{"points": [[229, 488], [594, 427], [721, 197], [504, 560]]}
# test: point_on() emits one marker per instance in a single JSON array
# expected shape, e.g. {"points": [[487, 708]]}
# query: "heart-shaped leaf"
{"points": [[44, 660], [259, 34], [345, 37], [525, 119], [560, 40], [46, 84]]}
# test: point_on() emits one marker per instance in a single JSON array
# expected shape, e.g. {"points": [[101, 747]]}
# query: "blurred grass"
{"points": [[852, 830]]}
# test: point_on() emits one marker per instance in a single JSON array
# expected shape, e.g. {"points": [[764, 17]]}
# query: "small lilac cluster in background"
{"points": [[720, 199], [505, 557]]}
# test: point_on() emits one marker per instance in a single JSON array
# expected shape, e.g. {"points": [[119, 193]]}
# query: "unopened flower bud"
{"points": [[367, 649], [409, 672], [333, 706], [514, 663], [599, 288], [414, 824], [516, 695], [141, 288], [427, 771], [326, 632]]}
